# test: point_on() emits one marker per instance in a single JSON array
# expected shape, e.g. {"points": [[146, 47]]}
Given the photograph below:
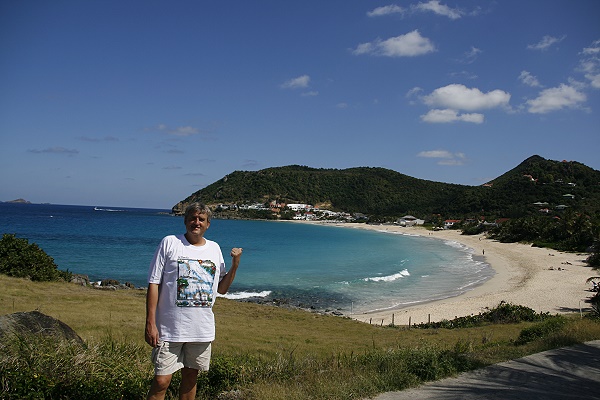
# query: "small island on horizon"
{"points": [[20, 201]]}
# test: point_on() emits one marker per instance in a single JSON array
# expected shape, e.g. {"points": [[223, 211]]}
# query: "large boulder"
{"points": [[36, 323], [79, 279]]}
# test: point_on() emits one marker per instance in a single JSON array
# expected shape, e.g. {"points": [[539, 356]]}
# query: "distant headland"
{"points": [[21, 201]]}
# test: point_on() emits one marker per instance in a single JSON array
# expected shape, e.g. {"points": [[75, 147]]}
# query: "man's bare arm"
{"points": [[225, 283], [151, 332]]}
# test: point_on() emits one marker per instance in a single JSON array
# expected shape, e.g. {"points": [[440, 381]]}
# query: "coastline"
{"points": [[544, 280]]}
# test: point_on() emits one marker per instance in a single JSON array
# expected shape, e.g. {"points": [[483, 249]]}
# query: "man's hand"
{"points": [[151, 335], [236, 252]]}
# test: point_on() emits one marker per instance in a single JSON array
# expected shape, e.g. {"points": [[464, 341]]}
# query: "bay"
{"points": [[308, 265]]}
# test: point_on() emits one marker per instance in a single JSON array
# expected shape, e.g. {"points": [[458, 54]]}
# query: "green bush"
{"points": [[595, 304], [541, 329], [223, 375], [40, 367], [504, 313], [21, 259]]}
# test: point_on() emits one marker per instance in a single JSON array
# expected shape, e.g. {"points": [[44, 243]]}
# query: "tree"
{"points": [[21, 259]]}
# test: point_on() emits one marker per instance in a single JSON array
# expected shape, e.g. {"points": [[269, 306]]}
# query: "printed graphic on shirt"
{"points": [[195, 282]]}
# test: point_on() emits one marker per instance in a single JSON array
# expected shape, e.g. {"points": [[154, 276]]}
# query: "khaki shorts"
{"points": [[169, 357]]}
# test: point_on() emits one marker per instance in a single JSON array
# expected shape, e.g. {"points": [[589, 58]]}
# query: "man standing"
{"points": [[185, 274]]}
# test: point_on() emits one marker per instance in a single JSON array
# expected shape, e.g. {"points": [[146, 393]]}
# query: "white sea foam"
{"points": [[245, 295], [457, 245], [398, 233], [107, 209], [389, 278]]}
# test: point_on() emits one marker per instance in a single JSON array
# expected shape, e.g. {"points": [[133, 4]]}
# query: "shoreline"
{"points": [[542, 279]]}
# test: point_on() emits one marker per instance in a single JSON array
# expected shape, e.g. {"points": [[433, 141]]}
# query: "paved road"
{"points": [[561, 374]]}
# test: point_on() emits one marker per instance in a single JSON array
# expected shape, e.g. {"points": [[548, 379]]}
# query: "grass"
{"points": [[261, 352]]}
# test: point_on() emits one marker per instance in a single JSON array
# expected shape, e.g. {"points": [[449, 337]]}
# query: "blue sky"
{"points": [[141, 103]]}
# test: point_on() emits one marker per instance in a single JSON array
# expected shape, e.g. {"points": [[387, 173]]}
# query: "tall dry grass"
{"points": [[261, 352]]}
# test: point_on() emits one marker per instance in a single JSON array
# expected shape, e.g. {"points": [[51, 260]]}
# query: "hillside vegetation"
{"points": [[383, 194]]}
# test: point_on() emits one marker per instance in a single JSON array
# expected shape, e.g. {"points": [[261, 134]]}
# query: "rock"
{"points": [[36, 323], [79, 279], [19, 201]]}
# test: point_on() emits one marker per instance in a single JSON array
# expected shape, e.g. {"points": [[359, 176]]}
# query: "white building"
{"points": [[409, 220], [299, 207]]}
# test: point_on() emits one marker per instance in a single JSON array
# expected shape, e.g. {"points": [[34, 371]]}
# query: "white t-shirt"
{"points": [[188, 278]]}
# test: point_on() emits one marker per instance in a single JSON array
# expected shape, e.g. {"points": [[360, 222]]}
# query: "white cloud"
{"points": [[435, 154], [97, 139], [386, 10], [594, 80], [440, 9], [55, 150], [529, 79], [295, 83], [409, 45], [414, 91], [180, 131], [593, 50], [557, 98], [459, 97], [446, 157], [463, 74], [471, 55], [447, 116], [546, 43], [590, 64]]}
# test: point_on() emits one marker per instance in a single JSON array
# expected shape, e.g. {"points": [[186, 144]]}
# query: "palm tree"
{"points": [[595, 299]]}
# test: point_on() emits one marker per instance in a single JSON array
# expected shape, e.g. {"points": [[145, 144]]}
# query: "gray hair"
{"points": [[197, 207]]}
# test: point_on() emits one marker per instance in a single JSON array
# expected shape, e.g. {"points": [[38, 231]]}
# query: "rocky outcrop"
{"points": [[36, 323], [79, 279], [105, 284], [19, 201], [179, 208]]}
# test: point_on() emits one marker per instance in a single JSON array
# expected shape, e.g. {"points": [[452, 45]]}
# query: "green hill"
{"points": [[383, 193]]}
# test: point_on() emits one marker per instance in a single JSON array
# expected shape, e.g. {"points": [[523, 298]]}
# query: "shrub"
{"points": [[541, 329], [21, 259], [504, 313], [595, 304], [594, 258], [38, 367], [222, 376]]}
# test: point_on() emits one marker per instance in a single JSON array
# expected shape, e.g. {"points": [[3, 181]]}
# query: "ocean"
{"points": [[308, 265]]}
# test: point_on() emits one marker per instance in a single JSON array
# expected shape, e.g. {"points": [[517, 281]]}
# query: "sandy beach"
{"points": [[545, 280]]}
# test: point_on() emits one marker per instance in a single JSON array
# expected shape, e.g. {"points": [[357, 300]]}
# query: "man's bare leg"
{"points": [[189, 379], [159, 387]]}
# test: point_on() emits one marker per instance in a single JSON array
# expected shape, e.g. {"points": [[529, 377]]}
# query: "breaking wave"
{"points": [[245, 295], [389, 278]]}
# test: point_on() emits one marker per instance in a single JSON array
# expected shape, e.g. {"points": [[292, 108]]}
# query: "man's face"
{"points": [[197, 223]]}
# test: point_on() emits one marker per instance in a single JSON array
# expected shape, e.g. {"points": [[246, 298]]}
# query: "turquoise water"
{"points": [[320, 266]]}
